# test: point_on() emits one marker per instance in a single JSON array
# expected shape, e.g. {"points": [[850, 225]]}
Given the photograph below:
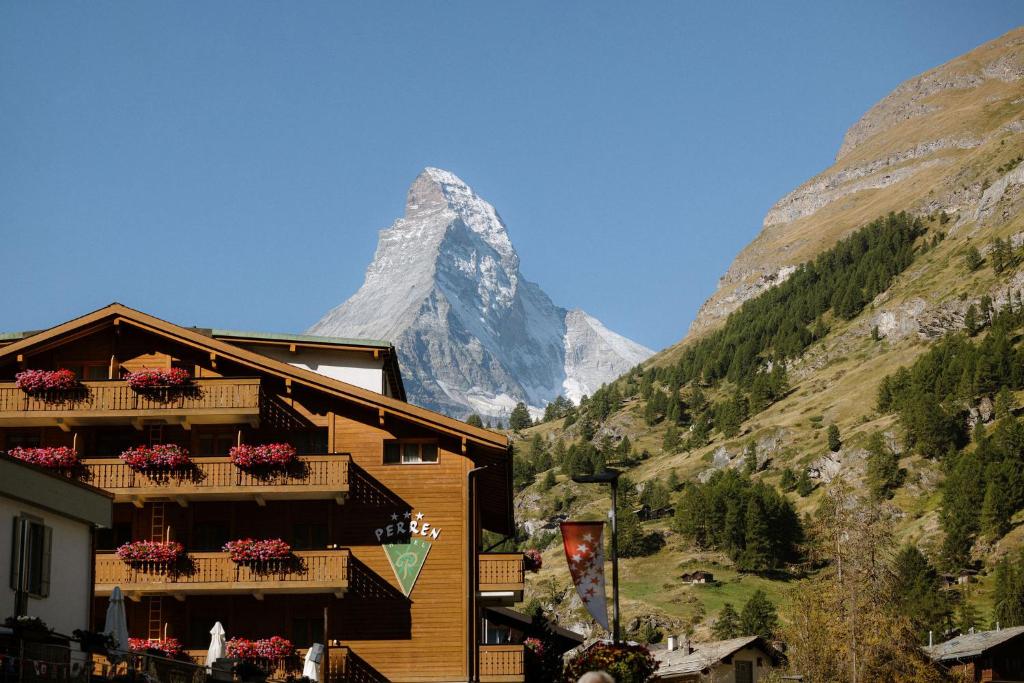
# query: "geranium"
{"points": [[163, 647], [156, 552], [532, 560], [626, 663], [534, 645], [35, 381], [159, 457], [274, 647], [157, 378], [52, 458], [248, 456], [251, 550]]}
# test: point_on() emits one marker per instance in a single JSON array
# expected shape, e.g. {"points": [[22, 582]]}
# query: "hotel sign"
{"points": [[406, 540]]}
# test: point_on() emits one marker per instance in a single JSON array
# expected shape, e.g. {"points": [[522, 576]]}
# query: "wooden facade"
{"points": [[338, 505]]}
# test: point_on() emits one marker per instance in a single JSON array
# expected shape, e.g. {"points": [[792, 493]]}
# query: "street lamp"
{"points": [[610, 477]]}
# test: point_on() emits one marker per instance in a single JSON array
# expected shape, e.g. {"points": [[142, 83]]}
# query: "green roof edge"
{"points": [[313, 338]]}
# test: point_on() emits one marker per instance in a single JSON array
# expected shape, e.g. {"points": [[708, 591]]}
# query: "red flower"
{"points": [[156, 552], [274, 647], [252, 550], [165, 647], [247, 456], [532, 560], [534, 645], [35, 381], [159, 457], [55, 458], [158, 378]]}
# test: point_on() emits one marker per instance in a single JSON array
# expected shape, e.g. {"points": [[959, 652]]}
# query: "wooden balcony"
{"points": [[311, 571], [502, 664], [312, 477], [221, 400], [281, 669], [501, 577]]}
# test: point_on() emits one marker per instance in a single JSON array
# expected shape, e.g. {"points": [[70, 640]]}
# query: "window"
{"points": [[309, 536], [309, 441], [215, 440], [307, 630], [209, 536], [24, 438], [112, 441], [409, 452], [30, 560], [113, 538], [89, 370]]}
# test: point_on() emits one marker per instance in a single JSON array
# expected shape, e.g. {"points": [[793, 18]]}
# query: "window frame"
{"points": [[19, 583], [401, 443]]}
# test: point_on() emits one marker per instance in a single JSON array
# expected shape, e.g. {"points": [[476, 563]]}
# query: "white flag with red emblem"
{"points": [[585, 552]]}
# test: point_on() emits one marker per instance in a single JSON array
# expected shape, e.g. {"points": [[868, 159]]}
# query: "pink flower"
{"points": [[159, 457], [274, 647], [248, 456], [53, 458], [157, 378], [251, 550], [35, 381], [157, 552], [533, 560], [164, 647], [534, 645]]}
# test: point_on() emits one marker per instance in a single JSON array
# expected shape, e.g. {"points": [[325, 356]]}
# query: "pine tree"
{"points": [[548, 482], [1009, 592], [750, 458], [670, 444], [475, 420], [998, 507], [757, 552], [883, 467], [916, 590], [759, 616], [834, 442], [1005, 403], [971, 320], [972, 258], [727, 625], [804, 485], [520, 417], [788, 480]]}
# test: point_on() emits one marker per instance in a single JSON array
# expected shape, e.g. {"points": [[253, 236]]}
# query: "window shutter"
{"points": [[19, 528], [44, 574]]}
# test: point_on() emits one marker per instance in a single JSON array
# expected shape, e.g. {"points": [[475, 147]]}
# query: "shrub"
{"points": [[533, 560], [52, 458], [625, 663]]}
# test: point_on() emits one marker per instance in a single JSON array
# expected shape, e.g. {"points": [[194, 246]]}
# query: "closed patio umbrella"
{"points": [[116, 624], [313, 658], [217, 646]]}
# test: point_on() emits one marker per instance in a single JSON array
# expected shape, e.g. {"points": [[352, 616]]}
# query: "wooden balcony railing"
{"points": [[501, 573], [310, 571], [311, 477], [501, 664], [114, 398]]}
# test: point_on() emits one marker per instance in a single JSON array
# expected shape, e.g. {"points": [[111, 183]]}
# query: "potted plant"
{"points": [[158, 378], [269, 456], [160, 647], [60, 458], [34, 382], [532, 560], [160, 458], [258, 553], [156, 554]]}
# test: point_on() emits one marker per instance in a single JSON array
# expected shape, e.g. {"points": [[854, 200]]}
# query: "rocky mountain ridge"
{"points": [[472, 333]]}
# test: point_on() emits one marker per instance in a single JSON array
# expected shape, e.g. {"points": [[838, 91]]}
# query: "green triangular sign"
{"points": [[407, 560]]}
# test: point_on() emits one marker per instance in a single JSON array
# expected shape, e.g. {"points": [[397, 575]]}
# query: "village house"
{"points": [[738, 660], [278, 484], [47, 529], [699, 576], [983, 655]]}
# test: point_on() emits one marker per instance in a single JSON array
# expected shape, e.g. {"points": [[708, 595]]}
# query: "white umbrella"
{"points": [[116, 625], [217, 646], [313, 657]]}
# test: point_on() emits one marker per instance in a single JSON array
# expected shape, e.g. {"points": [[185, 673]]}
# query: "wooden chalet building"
{"points": [[383, 507]]}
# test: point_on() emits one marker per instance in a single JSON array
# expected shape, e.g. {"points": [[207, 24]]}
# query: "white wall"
{"points": [[354, 367], [67, 606]]}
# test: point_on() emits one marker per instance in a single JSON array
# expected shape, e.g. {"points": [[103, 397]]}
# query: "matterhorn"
{"points": [[473, 336]]}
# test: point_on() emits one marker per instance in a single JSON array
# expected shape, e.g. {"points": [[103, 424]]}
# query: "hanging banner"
{"points": [[584, 550]]}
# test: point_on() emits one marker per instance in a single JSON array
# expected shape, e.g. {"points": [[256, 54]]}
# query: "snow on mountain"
{"points": [[472, 334]]}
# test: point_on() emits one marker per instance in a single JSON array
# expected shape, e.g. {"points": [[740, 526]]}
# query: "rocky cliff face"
{"points": [[927, 146], [473, 335]]}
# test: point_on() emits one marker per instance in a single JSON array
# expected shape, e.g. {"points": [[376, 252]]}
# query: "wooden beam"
{"points": [[258, 595], [180, 597], [137, 423], [138, 502], [186, 423], [181, 501], [292, 348], [64, 426], [340, 499], [380, 416], [260, 500], [213, 360]]}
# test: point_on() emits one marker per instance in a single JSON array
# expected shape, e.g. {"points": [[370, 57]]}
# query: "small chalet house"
{"points": [[307, 440], [738, 660], [983, 655], [698, 576]]}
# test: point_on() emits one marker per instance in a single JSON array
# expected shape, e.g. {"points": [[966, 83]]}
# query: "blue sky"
{"points": [[229, 164]]}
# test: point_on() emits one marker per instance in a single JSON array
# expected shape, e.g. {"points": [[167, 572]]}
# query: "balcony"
{"points": [[501, 664], [501, 577], [220, 400], [311, 571], [281, 669], [314, 477]]}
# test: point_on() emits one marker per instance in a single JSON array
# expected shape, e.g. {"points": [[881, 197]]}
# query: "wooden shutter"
{"points": [[16, 559], [44, 570]]}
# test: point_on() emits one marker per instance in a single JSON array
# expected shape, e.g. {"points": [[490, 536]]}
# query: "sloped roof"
{"points": [[704, 655], [258, 361], [299, 338], [973, 644]]}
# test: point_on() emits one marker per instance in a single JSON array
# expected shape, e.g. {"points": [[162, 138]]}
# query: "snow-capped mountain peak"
{"points": [[472, 334]]}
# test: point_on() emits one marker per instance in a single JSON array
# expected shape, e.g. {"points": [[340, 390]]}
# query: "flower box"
{"points": [[151, 552], [532, 560], [52, 458], [252, 551], [163, 647], [534, 646], [274, 647], [269, 455], [158, 378], [38, 381], [159, 457]]}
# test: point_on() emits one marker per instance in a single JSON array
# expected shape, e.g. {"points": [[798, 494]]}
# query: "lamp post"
{"points": [[610, 477]]}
